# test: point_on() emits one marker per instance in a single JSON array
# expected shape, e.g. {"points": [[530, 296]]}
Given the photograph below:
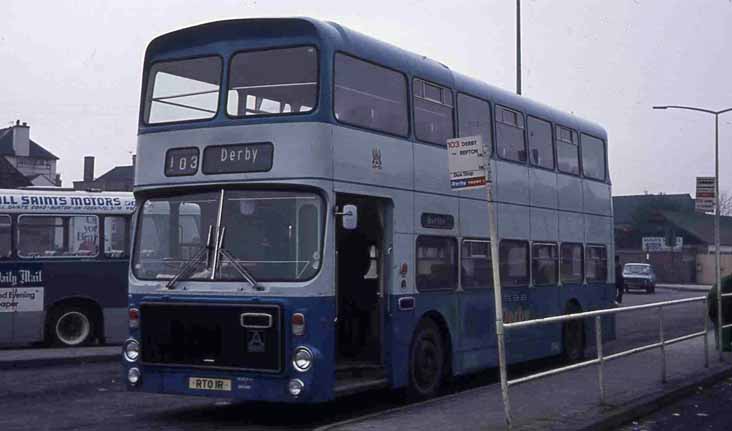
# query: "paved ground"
{"points": [[90, 396], [32, 357], [707, 409]]}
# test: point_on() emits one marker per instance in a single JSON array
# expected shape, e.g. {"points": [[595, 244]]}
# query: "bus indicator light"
{"points": [[134, 315], [298, 324]]}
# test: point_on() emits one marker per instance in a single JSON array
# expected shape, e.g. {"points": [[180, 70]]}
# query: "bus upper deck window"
{"points": [[273, 82], [183, 90]]}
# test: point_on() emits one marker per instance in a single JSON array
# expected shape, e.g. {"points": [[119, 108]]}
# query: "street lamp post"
{"points": [[716, 209], [518, 46]]}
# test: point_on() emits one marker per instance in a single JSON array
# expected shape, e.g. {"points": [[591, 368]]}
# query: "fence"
{"points": [[600, 358]]}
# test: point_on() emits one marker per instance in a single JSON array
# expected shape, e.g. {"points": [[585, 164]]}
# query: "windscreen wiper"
{"points": [[238, 266], [192, 262]]}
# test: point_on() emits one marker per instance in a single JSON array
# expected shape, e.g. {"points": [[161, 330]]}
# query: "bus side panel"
{"points": [[477, 348], [103, 281], [6, 322], [527, 303], [21, 302], [397, 340], [442, 305], [115, 327]]}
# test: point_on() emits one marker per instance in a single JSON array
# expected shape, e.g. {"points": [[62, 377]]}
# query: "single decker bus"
{"points": [[64, 259], [297, 238]]}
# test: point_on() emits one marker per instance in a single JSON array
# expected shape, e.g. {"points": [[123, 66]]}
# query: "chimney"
{"points": [[89, 168], [21, 139]]}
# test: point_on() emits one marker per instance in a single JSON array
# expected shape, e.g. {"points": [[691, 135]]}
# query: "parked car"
{"points": [[639, 276]]}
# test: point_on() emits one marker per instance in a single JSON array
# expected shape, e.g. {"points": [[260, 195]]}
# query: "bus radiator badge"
{"points": [[255, 342], [376, 158]]}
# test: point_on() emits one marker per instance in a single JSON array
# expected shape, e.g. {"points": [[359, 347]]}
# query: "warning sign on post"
{"points": [[468, 166]]}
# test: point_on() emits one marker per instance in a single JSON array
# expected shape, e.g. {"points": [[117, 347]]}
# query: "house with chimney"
{"points": [[23, 161], [118, 179]]}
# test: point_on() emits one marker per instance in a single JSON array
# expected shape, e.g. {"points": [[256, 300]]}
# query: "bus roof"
{"points": [[65, 202], [225, 36]]}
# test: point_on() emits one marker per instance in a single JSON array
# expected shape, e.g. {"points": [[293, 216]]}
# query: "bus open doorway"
{"points": [[360, 295]]}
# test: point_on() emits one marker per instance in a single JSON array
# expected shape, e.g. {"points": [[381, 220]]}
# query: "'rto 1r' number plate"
{"points": [[207, 384]]}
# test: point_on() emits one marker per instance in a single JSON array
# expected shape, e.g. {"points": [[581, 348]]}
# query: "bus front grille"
{"points": [[240, 336]]}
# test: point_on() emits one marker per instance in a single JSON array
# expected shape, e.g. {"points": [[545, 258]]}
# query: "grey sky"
{"points": [[71, 69]]}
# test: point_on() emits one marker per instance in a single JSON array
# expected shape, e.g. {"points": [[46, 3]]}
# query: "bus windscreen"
{"points": [[274, 235]]}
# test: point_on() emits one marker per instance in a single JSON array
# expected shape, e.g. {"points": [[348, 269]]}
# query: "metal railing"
{"points": [[727, 326], [601, 358]]}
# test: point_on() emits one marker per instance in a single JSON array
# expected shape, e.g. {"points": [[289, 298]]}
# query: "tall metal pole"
{"points": [[518, 46], [716, 232], [498, 296]]}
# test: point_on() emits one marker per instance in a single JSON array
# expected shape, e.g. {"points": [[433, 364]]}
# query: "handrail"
{"points": [[600, 358], [585, 314]]}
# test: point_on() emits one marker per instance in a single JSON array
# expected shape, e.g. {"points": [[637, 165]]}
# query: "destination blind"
{"points": [[238, 158]]}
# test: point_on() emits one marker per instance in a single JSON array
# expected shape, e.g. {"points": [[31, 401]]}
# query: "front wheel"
{"points": [[426, 361], [70, 327]]}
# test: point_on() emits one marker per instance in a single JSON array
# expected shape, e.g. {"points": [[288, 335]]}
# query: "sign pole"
{"points": [[470, 168], [498, 297]]}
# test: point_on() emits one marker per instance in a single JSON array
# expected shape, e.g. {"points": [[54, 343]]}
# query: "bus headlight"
{"points": [[131, 350], [295, 387], [302, 360], [133, 376]]}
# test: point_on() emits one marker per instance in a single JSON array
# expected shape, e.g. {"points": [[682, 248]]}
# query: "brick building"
{"points": [[665, 231]]}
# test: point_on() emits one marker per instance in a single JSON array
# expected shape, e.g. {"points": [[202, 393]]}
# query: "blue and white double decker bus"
{"points": [[297, 237], [64, 259]]}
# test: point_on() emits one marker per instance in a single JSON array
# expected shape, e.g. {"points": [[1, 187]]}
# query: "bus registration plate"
{"points": [[207, 384]]}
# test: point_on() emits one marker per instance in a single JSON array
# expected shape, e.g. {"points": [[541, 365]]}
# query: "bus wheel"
{"points": [[573, 341], [426, 361], [71, 326]]}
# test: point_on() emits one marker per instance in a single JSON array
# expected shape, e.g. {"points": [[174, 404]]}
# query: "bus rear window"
{"points": [[183, 90], [273, 82]]}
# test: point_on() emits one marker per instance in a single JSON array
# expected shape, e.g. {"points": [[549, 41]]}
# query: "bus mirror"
{"points": [[350, 217]]}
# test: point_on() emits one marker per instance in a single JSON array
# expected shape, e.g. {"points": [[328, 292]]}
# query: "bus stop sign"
{"points": [[468, 166]]}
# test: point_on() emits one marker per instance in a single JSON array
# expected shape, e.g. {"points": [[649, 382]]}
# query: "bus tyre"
{"points": [[71, 326], [426, 361], [573, 341]]}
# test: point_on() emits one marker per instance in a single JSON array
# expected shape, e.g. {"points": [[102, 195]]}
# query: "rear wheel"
{"points": [[573, 341], [426, 361], [70, 326]]}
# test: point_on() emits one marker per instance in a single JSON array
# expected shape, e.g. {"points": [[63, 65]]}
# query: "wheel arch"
{"points": [[446, 334]]}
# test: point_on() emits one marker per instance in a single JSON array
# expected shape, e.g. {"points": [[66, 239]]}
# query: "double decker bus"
{"points": [[297, 238], [64, 260]]}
